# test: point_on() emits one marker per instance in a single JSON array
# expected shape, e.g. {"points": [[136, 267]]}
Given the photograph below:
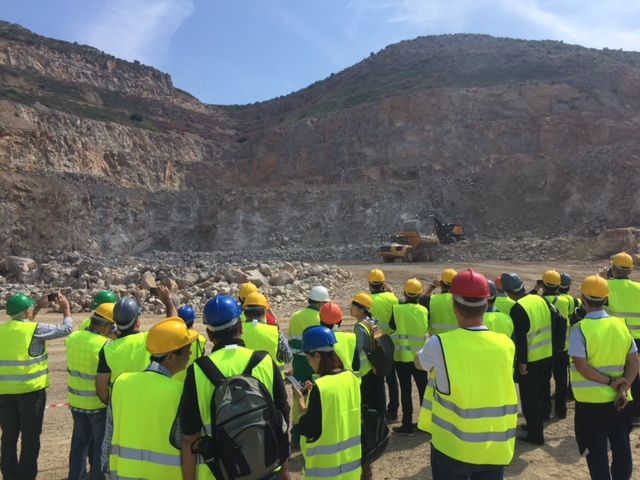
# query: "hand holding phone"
{"points": [[294, 381], [52, 297]]}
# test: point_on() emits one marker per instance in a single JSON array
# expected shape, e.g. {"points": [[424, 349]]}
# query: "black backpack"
{"points": [[558, 326], [381, 354], [374, 437], [249, 435]]}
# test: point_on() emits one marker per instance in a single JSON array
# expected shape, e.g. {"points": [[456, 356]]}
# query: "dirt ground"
{"points": [[406, 457]]}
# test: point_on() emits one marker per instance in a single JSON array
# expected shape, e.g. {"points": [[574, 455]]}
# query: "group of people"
{"points": [[143, 403]]}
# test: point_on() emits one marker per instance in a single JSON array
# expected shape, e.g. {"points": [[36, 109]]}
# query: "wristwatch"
{"points": [[610, 381]]}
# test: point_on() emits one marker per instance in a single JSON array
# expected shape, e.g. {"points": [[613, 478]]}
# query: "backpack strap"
{"points": [[369, 327], [256, 357], [212, 372]]}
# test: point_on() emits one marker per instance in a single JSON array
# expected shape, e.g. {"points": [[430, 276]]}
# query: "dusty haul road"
{"points": [[406, 457]]}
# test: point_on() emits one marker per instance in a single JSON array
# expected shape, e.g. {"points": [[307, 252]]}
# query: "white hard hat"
{"points": [[319, 294]]}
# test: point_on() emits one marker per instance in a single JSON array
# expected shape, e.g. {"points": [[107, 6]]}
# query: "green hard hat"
{"points": [[19, 303], [105, 296]]}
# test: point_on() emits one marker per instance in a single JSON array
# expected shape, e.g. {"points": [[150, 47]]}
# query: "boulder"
{"points": [[19, 265], [616, 240], [235, 275]]}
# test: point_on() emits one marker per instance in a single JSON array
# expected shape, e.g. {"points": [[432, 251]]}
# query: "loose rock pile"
{"points": [[193, 278]]}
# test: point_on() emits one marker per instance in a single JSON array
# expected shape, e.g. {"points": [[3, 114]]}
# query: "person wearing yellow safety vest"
{"points": [[605, 362], [331, 449], [372, 385], [346, 348], [410, 322], [624, 302], [502, 302], [224, 328], [141, 439], [88, 411], [186, 313], [24, 378], [300, 321], [495, 320], [128, 353], [475, 405], [258, 335], [103, 296], [383, 301], [439, 305], [531, 317]]}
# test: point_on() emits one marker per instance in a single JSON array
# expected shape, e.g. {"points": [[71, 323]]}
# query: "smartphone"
{"points": [[609, 272], [52, 297], [153, 291], [293, 381], [538, 282]]}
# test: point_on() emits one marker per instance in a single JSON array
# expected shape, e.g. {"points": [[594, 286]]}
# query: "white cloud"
{"points": [[136, 30]]}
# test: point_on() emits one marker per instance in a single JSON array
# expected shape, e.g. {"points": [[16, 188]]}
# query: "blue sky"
{"points": [[242, 51]]}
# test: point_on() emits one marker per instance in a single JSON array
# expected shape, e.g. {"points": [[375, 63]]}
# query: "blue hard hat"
{"points": [[318, 339], [221, 312], [511, 282], [565, 279], [187, 314], [492, 289]]}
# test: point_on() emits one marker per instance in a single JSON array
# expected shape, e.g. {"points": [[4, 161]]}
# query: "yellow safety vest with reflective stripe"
{"points": [[476, 422], [503, 303], [624, 302], [539, 335], [425, 420], [412, 323], [230, 361], [260, 336], [198, 349], [300, 321], [127, 354], [346, 348], [83, 348], [19, 371], [383, 303], [337, 452], [145, 405], [564, 304], [607, 341], [499, 322], [441, 316]]}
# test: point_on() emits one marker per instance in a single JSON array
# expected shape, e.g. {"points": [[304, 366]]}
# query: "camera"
{"points": [[153, 291], [52, 297]]}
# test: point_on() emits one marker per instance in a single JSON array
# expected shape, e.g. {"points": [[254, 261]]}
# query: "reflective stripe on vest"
{"points": [[127, 355], [539, 336], [383, 303], [441, 316], [337, 452], [260, 336], [83, 348], [140, 444], [476, 423], [19, 371], [412, 323], [300, 321], [607, 343], [624, 302]]}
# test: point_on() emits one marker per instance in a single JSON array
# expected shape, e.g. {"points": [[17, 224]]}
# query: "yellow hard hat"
{"points": [[595, 288], [246, 289], [622, 260], [169, 335], [104, 311], [256, 299], [413, 287], [363, 299], [376, 276], [551, 278], [448, 275]]}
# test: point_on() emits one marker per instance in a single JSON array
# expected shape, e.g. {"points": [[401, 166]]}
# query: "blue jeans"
{"points": [[444, 467], [88, 430]]}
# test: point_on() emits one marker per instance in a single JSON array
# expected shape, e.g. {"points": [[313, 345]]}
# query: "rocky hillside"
{"points": [[514, 139]]}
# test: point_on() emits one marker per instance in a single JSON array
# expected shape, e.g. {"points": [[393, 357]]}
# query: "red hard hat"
{"points": [[470, 284], [331, 313]]}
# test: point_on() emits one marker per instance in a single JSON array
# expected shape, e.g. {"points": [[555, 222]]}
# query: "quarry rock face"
{"points": [[105, 157]]}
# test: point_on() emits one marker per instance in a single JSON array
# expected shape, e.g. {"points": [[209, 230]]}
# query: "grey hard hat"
{"points": [[565, 279], [493, 289], [511, 282], [126, 312]]}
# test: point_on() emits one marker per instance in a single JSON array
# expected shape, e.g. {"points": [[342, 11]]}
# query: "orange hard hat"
{"points": [[331, 313]]}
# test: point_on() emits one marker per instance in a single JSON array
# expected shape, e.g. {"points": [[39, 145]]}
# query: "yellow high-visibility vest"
{"points": [[539, 344], [564, 304], [127, 354], [260, 336], [412, 324], [503, 303], [441, 316], [425, 420], [300, 321], [198, 349], [86, 323], [145, 406], [624, 302], [499, 322], [337, 452], [19, 371], [346, 348], [476, 422], [608, 342], [383, 303], [83, 348]]}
